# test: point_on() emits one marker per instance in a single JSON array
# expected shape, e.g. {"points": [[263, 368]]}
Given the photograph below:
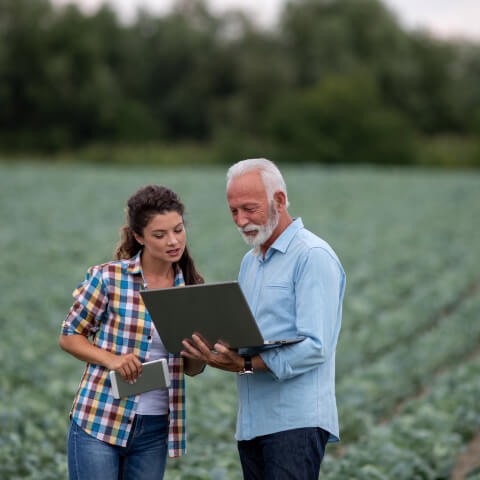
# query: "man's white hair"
{"points": [[272, 178]]}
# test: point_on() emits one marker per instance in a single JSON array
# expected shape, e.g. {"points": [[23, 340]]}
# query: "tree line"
{"points": [[334, 81]]}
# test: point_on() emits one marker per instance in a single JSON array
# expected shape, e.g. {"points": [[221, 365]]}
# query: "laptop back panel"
{"points": [[218, 311]]}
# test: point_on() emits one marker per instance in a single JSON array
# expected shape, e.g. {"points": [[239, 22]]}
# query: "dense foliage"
{"points": [[407, 360], [333, 81]]}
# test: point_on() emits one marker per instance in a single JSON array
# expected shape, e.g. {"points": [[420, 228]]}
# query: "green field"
{"points": [[408, 359]]}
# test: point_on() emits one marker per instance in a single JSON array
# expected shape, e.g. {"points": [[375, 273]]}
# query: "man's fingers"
{"points": [[191, 350], [225, 351], [198, 348], [187, 343], [219, 347], [203, 339], [201, 344]]}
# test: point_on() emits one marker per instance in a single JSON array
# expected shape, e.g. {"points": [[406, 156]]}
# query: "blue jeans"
{"points": [[143, 458], [292, 454]]}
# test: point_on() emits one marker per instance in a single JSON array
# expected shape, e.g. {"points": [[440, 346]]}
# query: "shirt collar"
{"points": [[179, 281], [134, 266], [283, 241]]}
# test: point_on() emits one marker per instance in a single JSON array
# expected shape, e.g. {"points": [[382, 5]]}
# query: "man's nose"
{"points": [[241, 220]]}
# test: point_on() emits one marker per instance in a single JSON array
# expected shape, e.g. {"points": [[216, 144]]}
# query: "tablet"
{"points": [[154, 375]]}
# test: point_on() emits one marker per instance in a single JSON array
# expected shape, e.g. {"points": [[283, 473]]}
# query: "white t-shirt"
{"points": [[154, 402]]}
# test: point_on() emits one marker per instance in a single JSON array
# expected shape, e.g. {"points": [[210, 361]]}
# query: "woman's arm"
{"points": [[129, 366]]}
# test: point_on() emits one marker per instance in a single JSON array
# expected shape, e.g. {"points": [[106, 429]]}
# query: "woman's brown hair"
{"points": [[142, 206]]}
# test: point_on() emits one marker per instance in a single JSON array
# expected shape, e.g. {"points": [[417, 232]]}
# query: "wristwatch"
{"points": [[248, 367]]}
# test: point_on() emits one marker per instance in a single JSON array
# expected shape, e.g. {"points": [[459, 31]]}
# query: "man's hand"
{"points": [[223, 358]]}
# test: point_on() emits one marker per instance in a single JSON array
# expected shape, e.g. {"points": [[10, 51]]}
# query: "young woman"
{"points": [[128, 438]]}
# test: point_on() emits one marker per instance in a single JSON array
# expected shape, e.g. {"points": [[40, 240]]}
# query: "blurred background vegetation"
{"points": [[334, 81]]}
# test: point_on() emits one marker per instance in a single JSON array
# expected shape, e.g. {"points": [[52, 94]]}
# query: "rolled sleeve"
{"points": [[89, 307], [319, 283]]}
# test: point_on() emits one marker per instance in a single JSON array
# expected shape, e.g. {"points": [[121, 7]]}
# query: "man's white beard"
{"points": [[264, 231]]}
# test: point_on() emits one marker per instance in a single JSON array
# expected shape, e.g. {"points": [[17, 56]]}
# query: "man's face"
{"points": [[254, 216]]}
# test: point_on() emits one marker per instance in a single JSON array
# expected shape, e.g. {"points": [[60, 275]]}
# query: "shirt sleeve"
{"points": [[89, 307], [319, 286]]}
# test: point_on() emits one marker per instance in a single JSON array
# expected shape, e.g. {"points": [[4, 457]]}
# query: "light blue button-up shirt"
{"points": [[297, 290]]}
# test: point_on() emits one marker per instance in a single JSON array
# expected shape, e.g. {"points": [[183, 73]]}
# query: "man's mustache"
{"points": [[250, 228]]}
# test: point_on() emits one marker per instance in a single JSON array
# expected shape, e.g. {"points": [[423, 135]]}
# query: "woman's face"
{"points": [[164, 237]]}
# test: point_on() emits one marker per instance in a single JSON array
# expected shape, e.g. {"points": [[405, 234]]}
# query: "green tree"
{"points": [[340, 120], [415, 72], [322, 37], [175, 68]]}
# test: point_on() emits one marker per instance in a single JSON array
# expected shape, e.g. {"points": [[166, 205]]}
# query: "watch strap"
{"points": [[248, 366]]}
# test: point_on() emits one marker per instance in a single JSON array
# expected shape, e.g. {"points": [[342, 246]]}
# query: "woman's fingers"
{"points": [[138, 366], [123, 373], [129, 367], [128, 372]]}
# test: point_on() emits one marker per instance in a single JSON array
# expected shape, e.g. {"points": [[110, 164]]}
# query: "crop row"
{"points": [[407, 242], [371, 393], [423, 441], [386, 329]]}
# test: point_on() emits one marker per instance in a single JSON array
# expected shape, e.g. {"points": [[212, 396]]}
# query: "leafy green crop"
{"points": [[407, 358]]}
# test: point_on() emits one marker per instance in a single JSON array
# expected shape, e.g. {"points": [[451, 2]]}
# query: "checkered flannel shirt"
{"points": [[109, 308]]}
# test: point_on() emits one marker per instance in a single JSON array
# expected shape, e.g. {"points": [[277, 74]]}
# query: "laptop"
{"points": [[217, 311]]}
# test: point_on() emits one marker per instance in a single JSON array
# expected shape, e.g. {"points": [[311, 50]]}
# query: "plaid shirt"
{"points": [[109, 308]]}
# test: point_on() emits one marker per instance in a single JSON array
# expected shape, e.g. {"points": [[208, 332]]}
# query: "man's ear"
{"points": [[280, 200]]}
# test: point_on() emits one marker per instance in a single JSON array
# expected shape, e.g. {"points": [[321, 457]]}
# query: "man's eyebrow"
{"points": [[245, 205]]}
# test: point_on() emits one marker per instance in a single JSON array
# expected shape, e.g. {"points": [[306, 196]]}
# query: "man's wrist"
{"points": [[247, 366]]}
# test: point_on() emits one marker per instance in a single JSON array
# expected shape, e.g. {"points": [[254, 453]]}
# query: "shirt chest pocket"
{"points": [[281, 298]]}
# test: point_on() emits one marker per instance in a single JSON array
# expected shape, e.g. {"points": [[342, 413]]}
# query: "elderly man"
{"points": [[294, 284]]}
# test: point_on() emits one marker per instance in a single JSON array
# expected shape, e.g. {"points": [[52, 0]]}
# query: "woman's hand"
{"points": [[128, 366]]}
